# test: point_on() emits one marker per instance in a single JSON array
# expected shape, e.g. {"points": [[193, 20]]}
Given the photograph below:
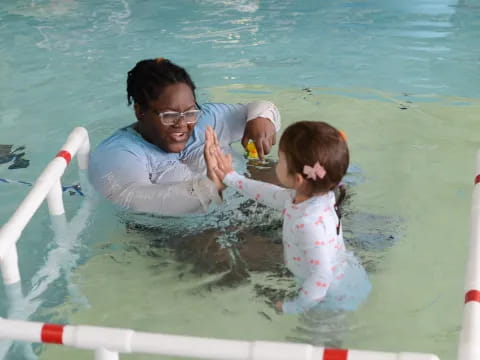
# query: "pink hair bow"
{"points": [[316, 171]]}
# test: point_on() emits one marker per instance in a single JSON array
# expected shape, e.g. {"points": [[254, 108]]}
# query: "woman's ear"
{"points": [[138, 112]]}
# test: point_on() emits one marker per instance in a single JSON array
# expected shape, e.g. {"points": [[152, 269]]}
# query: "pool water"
{"points": [[399, 79]]}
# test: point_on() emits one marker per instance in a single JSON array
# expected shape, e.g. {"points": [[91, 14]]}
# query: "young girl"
{"points": [[313, 158]]}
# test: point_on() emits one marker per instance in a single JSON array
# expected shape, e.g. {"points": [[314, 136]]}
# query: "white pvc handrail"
{"points": [[47, 186], [108, 342], [469, 343]]}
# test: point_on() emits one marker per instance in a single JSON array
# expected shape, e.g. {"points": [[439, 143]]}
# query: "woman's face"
{"points": [[171, 138]]}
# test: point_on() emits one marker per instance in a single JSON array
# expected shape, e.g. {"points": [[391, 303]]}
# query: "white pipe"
{"points": [[472, 278], [469, 342], [47, 185], [76, 140], [94, 337], [30, 204], [55, 199], [128, 341], [103, 354], [193, 347], [11, 231], [83, 154], [20, 330], [9, 266], [378, 355]]}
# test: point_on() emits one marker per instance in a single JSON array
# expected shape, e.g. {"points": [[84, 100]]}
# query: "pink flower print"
{"points": [[319, 220], [295, 207], [257, 196], [300, 226], [319, 243], [321, 284], [327, 209], [296, 258], [240, 184], [340, 277], [288, 215], [331, 240], [284, 211], [315, 262], [305, 292], [304, 252], [333, 268]]}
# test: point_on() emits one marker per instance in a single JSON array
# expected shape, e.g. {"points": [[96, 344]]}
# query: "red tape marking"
{"points": [[52, 334], [335, 354], [66, 155], [477, 179], [472, 295]]}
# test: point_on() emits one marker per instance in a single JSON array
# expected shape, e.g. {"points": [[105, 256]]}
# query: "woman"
{"points": [[156, 165]]}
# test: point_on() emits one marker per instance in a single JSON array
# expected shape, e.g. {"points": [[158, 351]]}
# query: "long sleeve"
{"points": [[265, 109], [318, 252], [268, 194], [123, 177], [229, 120]]}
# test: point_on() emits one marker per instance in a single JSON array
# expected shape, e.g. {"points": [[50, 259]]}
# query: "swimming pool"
{"points": [[400, 79]]}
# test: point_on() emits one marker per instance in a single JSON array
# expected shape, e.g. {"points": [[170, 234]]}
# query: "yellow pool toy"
{"points": [[252, 153]]}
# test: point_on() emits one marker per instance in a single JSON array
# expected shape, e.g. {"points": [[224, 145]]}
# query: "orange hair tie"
{"points": [[343, 135], [159, 60]]}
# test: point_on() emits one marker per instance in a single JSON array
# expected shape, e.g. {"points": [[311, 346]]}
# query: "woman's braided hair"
{"points": [[147, 80]]}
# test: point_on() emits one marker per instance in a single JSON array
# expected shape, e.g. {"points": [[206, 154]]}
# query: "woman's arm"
{"points": [[123, 177], [230, 120]]}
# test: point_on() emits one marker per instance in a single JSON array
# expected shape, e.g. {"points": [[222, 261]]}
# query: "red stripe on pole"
{"points": [[52, 334], [472, 295], [477, 179], [66, 155], [335, 354]]}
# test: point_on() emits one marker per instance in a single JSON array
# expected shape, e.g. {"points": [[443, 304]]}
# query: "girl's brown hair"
{"points": [[306, 142]]}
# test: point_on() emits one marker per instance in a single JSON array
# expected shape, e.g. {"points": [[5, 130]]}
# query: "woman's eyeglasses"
{"points": [[169, 118]]}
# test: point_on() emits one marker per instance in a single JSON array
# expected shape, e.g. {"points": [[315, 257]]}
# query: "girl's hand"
{"points": [[279, 306], [209, 152]]}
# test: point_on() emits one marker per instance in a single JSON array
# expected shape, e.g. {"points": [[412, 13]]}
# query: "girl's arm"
{"points": [[318, 255], [268, 194]]}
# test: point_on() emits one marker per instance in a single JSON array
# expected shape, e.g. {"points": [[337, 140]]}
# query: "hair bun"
{"points": [[159, 60]]}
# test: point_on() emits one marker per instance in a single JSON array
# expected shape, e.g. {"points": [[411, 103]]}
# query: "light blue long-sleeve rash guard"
{"points": [[137, 175]]}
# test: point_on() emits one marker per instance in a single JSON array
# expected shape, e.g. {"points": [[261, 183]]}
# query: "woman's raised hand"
{"points": [[209, 151], [218, 164]]}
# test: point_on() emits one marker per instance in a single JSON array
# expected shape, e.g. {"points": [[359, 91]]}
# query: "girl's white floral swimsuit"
{"points": [[314, 250]]}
